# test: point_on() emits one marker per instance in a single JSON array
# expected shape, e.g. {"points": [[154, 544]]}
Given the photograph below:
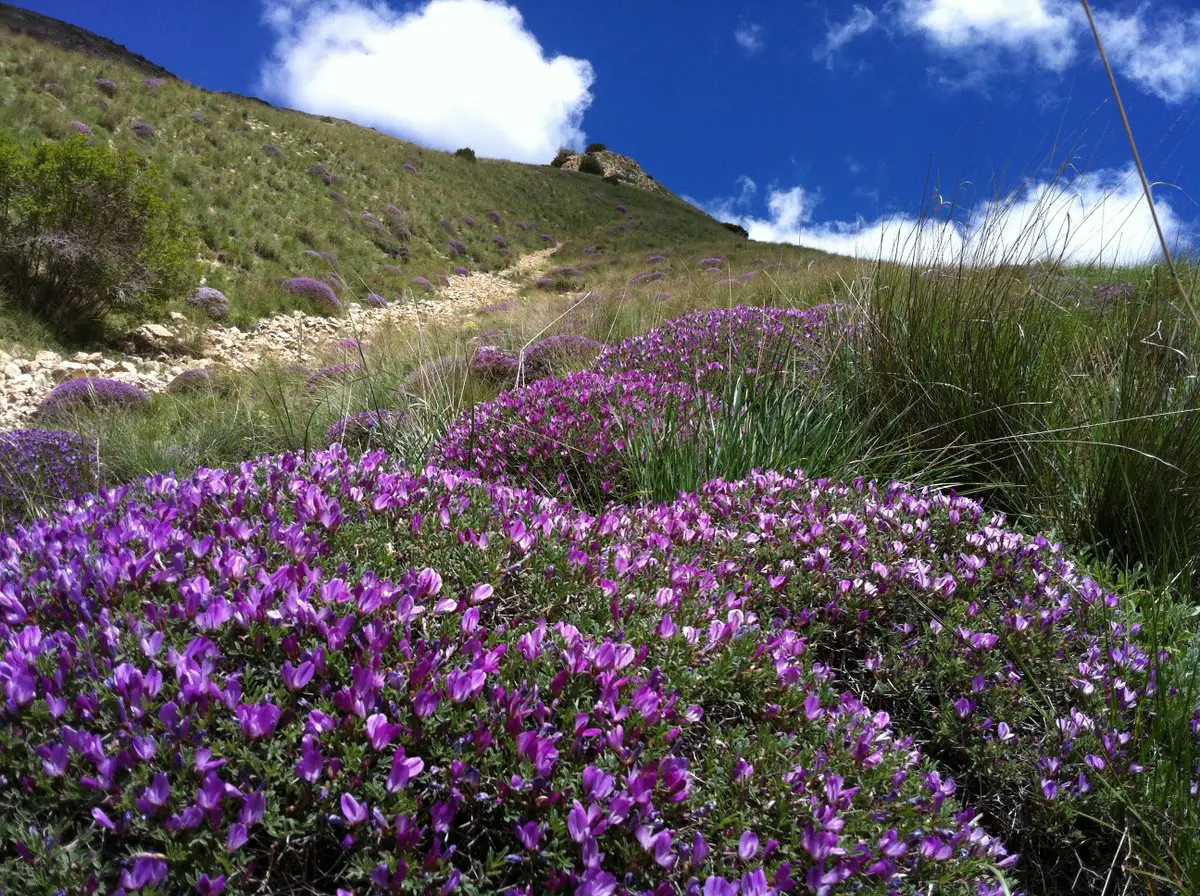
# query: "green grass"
{"points": [[255, 214]]}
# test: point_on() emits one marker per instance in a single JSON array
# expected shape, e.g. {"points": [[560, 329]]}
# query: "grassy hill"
{"points": [[267, 189]]}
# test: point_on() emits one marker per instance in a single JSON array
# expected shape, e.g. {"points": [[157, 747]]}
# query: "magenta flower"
{"points": [[146, 871], [404, 769], [258, 719], [352, 810]]}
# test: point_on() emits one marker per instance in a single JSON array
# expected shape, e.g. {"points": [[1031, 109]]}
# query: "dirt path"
{"points": [[295, 338]]}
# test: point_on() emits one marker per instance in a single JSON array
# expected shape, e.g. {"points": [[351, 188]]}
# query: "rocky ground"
{"points": [[295, 338]]}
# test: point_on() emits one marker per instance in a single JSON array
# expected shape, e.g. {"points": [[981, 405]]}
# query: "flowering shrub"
{"points": [[80, 127], [704, 347], [107, 86], [317, 291], [90, 392], [322, 173], [457, 248], [273, 151], [211, 301], [199, 117], [649, 276], [423, 283], [209, 685], [494, 217], [192, 379], [410, 168], [568, 434], [493, 365], [153, 83], [546, 283], [334, 373], [375, 300], [328, 257], [143, 129], [468, 220], [622, 209], [552, 354], [349, 344], [501, 242], [43, 466], [364, 430]]}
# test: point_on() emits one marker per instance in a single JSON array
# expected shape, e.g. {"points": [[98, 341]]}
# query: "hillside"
{"points": [[273, 193]]}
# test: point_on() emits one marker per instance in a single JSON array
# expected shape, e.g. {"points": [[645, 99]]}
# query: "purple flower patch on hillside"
{"points": [[211, 301], [199, 117], [423, 283], [565, 433], [143, 130], [493, 365], [322, 173], [319, 293], [193, 379], [273, 151], [152, 84], [457, 248], [494, 217], [91, 392], [328, 257], [467, 220], [107, 86], [375, 300], [705, 347], [410, 168], [80, 127], [39, 467], [334, 373], [220, 655], [364, 430], [552, 354]]}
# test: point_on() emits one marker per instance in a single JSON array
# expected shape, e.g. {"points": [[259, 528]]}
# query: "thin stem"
{"points": [[1137, 159]]}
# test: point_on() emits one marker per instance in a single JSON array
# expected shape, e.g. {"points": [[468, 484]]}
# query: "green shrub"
{"points": [[561, 157], [86, 233], [596, 147], [465, 153], [736, 228], [591, 165]]}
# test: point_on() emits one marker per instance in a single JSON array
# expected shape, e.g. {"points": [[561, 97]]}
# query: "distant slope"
{"points": [[267, 189]]}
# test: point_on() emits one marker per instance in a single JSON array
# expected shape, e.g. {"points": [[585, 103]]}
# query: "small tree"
{"points": [[596, 147], [465, 153], [736, 228], [591, 165], [86, 233], [561, 157]]}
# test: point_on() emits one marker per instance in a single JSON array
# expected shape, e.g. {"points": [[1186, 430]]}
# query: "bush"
{"points": [[211, 301], [591, 165], [561, 158], [90, 392], [319, 292], [596, 147], [465, 153], [87, 234], [736, 228], [274, 700], [566, 434], [39, 467]]}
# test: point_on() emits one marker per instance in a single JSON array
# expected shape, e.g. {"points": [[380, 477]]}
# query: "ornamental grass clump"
{"points": [[364, 430], [91, 393], [320, 293], [708, 347], [566, 434], [41, 467], [381, 663], [211, 301]]}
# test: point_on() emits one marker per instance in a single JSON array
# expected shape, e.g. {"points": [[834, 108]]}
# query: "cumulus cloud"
{"points": [[449, 73], [1044, 28], [1099, 217], [860, 22], [749, 37], [1160, 56]]}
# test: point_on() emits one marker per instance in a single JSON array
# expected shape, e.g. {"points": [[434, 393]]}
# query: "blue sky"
{"points": [[826, 123]]}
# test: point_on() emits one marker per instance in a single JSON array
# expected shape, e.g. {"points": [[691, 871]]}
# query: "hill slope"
{"points": [[274, 193]]}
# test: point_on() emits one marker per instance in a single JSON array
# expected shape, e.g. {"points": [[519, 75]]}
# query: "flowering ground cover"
{"points": [[707, 346]]}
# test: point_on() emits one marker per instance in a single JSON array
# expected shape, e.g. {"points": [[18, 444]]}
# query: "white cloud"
{"points": [[1045, 27], [860, 22], [1162, 58], [1099, 217], [749, 37], [451, 73]]}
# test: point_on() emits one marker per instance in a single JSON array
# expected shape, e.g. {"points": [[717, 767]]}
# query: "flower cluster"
{"points": [[208, 685], [375, 300], [706, 346], [317, 291], [83, 128], [554, 353], [39, 467], [90, 392], [211, 301], [423, 283], [191, 380], [457, 247], [334, 373], [493, 365], [107, 86], [364, 430], [143, 129], [564, 434]]}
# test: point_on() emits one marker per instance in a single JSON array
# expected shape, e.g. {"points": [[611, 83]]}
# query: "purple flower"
{"points": [[747, 846], [143, 129], [423, 283], [375, 300], [258, 719], [80, 127], [352, 810], [211, 301], [106, 86], [238, 835], [146, 871]]}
